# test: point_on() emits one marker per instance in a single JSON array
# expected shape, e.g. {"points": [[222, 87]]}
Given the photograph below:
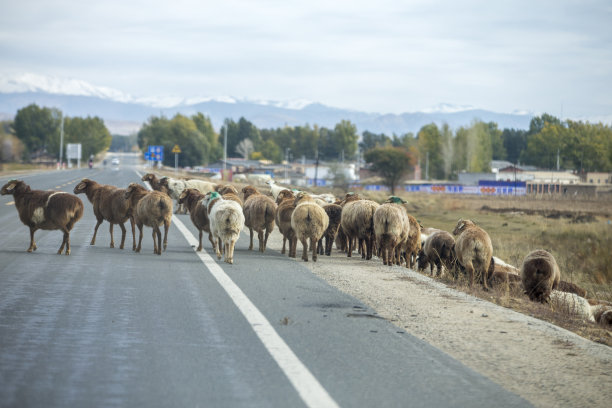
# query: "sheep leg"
{"points": [[304, 249], [350, 247], [200, 241], [213, 242], [139, 238], [470, 272], [154, 242], [93, 239], [293, 247], [112, 243], [123, 234], [166, 227], [251, 244], [314, 244], [133, 234], [218, 248], [265, 242], [32, 243], [284, 242], [260, 237], [65, 242]]}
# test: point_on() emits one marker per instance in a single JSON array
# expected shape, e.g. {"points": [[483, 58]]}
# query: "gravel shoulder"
{"points": [[543, 363]]}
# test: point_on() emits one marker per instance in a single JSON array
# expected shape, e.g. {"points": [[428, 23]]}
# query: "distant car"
{"points": [[115, 161]]}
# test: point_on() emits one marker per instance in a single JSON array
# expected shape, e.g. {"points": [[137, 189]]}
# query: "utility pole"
{"points": [[61, 142]]}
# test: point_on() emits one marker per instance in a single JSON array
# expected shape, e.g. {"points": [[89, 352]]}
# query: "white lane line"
{"points": [[307, 386]]}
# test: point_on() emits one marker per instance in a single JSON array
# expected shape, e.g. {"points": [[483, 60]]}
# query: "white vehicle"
{"points": [[115, 161]]}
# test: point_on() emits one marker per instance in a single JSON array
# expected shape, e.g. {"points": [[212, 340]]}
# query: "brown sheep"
{"points": [[46, 210], [602, 314], [474, 250], [155, 183], [109, 203], [194, 201], [411, 245], [437, 250], [391, 227], [341, 238], [150, 208], [571, 288], [334, 213], [540, 275], [309, 221], [357, 223], [284, 200], [259, 211], [229, 192]]}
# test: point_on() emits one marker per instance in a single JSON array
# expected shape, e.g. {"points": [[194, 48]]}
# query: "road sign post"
{"points": [[176, 150]]}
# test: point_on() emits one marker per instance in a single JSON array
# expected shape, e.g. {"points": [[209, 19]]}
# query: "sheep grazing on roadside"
{"points": [[358, 224], [571, 303], [437, 250], [540, 275], [155, 183], [284, 209], [474, 250], [259, 212], [571, 288], [226, 223], [334, 213], [46, 210], [153, 209], [309, 221], [391, 228], [198, 211], [109, 203], [602, 314], [411, 245], [176, 186], [503, 275]]}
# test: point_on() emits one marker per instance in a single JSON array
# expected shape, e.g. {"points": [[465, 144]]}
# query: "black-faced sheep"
{"points": [[391, 228], [226, 223], [437, 250], [358, 224], [334, 212], [150, 208], [474, 250], [285, 206], [309, 221], [259, 211], [46, 210], [198, 211], [109, 203], [540, 275]]}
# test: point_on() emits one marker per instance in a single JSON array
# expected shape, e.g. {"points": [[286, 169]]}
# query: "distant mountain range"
{"points": [[124, 114]]}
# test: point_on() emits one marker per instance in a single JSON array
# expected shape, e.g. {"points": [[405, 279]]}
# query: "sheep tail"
{"points": [[162, 205]]}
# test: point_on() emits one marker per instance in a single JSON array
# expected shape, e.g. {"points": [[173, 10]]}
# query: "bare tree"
{"points": [[245, 148]]}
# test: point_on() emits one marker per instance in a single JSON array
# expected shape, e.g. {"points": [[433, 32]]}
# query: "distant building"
{"points": [[472, 179], [598, 178]]}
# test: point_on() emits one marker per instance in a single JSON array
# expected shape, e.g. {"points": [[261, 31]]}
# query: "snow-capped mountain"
{"points": [[124, 113]]}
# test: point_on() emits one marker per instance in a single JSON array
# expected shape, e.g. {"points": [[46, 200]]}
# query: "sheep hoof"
{"points": [[30, 249], [67, 252], [113, 245], [199, 249]]}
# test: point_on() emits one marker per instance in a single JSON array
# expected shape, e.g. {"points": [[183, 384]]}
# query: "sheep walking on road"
{"points": [[198, 211], [259, 212], [309, 221], [153, 209], [284, 209], [109, 203], [226, 224], [46, 210], [391, 227]]}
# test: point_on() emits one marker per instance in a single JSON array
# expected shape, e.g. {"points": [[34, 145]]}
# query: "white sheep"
{"points": [[176, 186], [572, 304], [275, 189], [226, 223]]}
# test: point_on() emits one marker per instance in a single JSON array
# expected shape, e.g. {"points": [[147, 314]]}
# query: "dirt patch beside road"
{"points": [[545, 364]]}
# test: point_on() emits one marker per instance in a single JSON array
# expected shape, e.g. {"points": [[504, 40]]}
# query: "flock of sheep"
{"points": [[386, 230]]}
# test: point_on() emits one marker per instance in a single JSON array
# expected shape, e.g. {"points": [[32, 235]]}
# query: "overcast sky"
{"points": [[379, 56]]}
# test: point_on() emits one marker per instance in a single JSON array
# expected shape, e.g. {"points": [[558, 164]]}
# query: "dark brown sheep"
{"points": [[357, 222], [334, 212], [109, 203], [198, 211], [571, 288], [437, 250], [150, 208], [46, 210], [155, 183], [259, 211], [540, 275]]}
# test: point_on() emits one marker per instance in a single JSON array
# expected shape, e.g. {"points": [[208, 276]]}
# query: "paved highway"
{"points": [[108, 327]]}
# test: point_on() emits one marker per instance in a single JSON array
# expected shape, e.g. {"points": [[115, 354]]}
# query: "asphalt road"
{"points": [[108, 327]]}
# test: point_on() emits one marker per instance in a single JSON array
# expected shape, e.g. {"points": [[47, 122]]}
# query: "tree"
{"points": [[391, 163], [515, 142], [90, 132], [430, 146], [38, 129], [447, 151]]}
